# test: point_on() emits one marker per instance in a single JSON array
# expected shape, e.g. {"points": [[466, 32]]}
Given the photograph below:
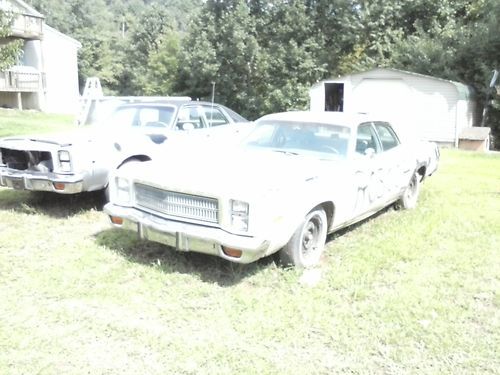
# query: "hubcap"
{"points": [[411, 188], [310, 236]]}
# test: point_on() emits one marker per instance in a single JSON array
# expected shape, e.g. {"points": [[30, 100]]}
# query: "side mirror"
{"points": [[188, 126]]}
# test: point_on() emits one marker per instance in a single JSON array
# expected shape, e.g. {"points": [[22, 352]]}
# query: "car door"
{"points": [[214, 116], [221, 126], [397, 171], [369, 171], [190, 117]]}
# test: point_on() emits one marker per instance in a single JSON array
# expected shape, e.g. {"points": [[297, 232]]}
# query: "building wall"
{"points": [[32, 54], [418, 106], [473, 145], [59, 54]]}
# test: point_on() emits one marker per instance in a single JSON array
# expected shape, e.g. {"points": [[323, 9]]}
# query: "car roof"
{"points": [[332, 118], [176, 102]]}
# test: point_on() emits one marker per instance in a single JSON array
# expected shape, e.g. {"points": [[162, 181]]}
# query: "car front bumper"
{"points": [[39, 181], [187, 236]]}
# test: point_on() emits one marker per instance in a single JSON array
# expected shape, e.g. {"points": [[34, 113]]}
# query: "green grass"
{"points": [[406, 292], [13, 122]]}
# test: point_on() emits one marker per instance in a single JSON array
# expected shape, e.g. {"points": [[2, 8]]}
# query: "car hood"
{"points": [[244, 173], [66, 138]]}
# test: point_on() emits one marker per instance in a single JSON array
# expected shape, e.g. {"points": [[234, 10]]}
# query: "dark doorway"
{"points": [[334, 97]]}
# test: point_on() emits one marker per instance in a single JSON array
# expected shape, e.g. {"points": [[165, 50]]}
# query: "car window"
{"points": [[122, 117], [190, 117], [367, 138], [214, 116], [132, 116], [234, 116], [387, 136], [301, 137], [155, 116]]}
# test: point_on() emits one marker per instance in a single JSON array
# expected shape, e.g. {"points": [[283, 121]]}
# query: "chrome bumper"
{"points": [[187, 236], [22, 180]]}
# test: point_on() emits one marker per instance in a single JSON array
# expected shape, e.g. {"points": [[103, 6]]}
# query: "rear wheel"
{"points": [[410, 196], [308, 242]]}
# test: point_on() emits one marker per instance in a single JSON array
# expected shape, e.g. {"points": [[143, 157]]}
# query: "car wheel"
{"points": [[410, 196], [307, 243]]}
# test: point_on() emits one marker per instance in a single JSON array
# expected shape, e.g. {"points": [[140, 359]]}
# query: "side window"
{"points": [[367, 138], [387, 136], [214, 116], [190, 117], [234, 116]]}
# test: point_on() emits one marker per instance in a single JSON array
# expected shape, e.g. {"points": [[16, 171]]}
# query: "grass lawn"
{"points": [[406, 292], [13, 122]]}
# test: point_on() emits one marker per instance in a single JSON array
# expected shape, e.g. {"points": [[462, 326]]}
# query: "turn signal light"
{"points": [[235, 253], [116, 220], [59, 186]]}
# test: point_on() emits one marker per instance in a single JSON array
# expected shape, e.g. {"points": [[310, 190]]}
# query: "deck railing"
{"points": [[27, 26], [21, 81]]}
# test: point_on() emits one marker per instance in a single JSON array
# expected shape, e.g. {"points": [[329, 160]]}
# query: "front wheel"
{"points": [[308, 242], [410, 196]]}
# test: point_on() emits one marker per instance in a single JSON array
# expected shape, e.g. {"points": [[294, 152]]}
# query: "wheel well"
{"points": [[329, 210], [421, 172], [135, 157]]}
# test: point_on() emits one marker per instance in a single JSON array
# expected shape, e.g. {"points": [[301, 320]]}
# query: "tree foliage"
{"points": [[263, 55], [123, 40], [9, 49]]}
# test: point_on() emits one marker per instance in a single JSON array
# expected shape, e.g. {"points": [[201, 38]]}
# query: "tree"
{"points": [[221, 48], [10, 50], [262, 56], [151, 53]]}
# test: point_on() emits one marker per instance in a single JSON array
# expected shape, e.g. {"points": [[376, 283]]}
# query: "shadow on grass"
{"points": [[209, 268], [51, 204]]}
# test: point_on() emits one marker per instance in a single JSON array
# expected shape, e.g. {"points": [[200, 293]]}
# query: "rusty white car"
{"points": [[81, 159], [297, 177]]}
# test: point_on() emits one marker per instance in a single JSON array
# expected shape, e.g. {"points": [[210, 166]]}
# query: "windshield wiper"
{"points": [[286, 152]]}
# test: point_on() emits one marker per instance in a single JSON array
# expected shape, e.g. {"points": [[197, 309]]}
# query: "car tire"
{"points": [[307, 244], [410, 196]]}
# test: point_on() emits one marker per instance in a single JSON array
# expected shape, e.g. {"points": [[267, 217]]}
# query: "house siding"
{"points": [[61, 72]]}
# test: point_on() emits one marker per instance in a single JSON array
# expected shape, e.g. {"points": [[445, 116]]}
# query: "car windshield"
{"points": [[140, 116], [316, 139]]}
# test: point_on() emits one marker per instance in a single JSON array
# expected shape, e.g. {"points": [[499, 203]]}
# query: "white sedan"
{"points": [[297, 177], [80, 160]]}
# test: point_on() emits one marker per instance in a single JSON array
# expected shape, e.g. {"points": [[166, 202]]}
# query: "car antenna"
{"points": [[213, 97]]}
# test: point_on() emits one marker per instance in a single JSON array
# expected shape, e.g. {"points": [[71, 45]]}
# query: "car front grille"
{"points": [[26, 160], [177, 204]]}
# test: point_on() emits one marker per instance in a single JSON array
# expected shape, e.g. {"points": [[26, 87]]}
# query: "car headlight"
{"points": [[122, 191], [64, 160], [239, 215]]}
